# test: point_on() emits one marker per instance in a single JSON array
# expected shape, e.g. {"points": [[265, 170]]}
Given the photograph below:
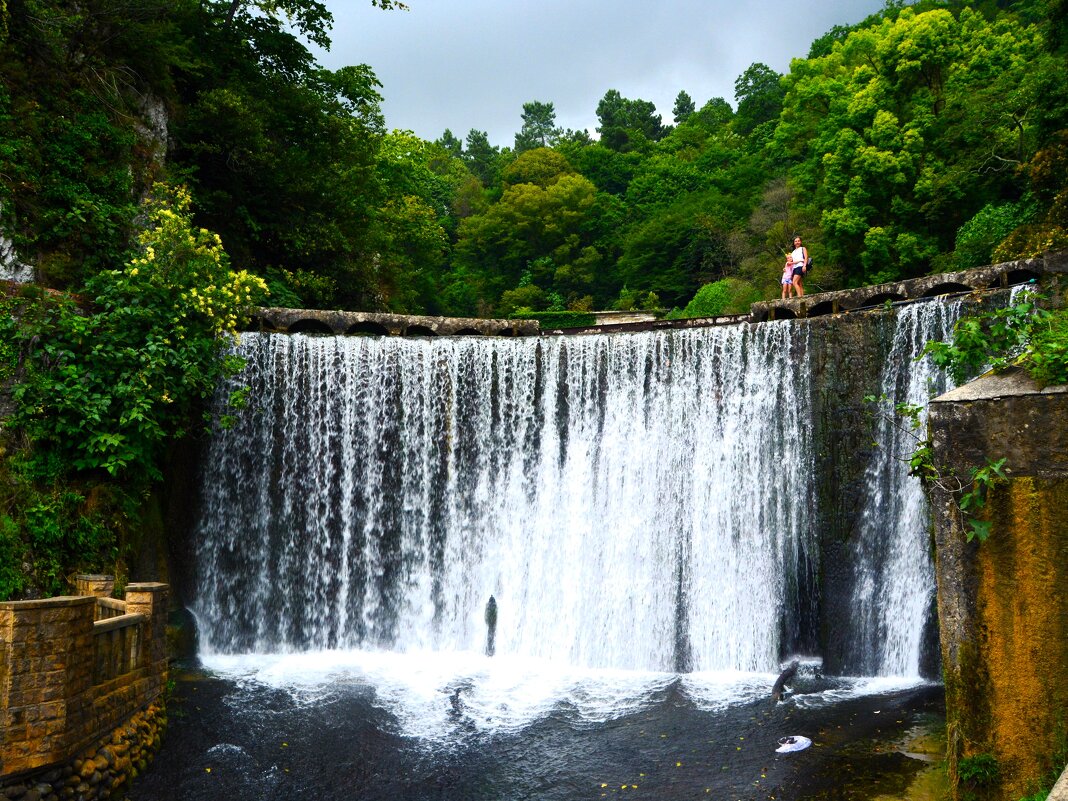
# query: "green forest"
{"points": [[928, 137], [168, 165]]}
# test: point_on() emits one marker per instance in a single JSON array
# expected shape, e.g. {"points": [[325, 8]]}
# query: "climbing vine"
{"points": [[971, 493]]}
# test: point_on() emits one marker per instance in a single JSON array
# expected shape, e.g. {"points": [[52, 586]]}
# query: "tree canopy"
{"points": [[924, 138]]}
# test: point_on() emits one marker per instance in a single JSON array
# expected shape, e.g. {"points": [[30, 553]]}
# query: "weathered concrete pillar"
{"points": [[1003, 603], [1060, 789], [46, 650]]}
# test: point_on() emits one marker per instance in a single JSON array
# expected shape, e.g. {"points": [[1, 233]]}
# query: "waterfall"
{"points": [[630, 500], [894, 584]]}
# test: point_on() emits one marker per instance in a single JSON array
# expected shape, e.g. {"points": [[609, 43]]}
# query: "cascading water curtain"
{"points": [[627, 499], [894, 586]]}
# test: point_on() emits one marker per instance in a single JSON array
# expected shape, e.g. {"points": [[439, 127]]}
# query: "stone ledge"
{"points": [[1003, 416], [60, 601], [1012, 383]]}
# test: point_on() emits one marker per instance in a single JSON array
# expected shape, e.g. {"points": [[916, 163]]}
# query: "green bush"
{"points": [[12, 576], [978, 237], [108, 381], [560, 319], [52, 526], [1047, 356], [726, 296], [9, 352], [979, 769], [1023, 333], [106, 388]]}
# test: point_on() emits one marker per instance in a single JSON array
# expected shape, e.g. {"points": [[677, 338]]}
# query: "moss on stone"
{"points": [[1016, 709]]}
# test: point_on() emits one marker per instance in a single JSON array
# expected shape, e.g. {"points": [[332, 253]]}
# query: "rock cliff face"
{"points": [[1003, 603]]}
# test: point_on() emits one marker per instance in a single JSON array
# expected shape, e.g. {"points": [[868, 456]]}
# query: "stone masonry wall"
{"points": [[101, 771], [70, 684], [1003, 603]]}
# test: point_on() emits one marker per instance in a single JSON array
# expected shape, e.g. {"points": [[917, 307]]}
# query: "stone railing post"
{"points": [[46, 666], [151, 600], [96, 585]]}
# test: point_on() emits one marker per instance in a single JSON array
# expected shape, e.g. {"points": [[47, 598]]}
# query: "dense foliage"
{"points": [[927, 137], [105, 381], [1023, 334], [107, 386]]}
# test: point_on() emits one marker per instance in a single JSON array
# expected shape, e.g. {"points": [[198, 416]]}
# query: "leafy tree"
{"points": [[759, 94], [539, 127], [310, 17], [907, 129], [684, 107], [610, 170], [541, 166], [286, 195], [627, 124], [822, 46], [715, 114], [676, 250], [547, 227], [662, 179]]}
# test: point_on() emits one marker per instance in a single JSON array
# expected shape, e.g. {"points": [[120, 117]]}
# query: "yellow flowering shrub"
{"points": [[113, 377]]}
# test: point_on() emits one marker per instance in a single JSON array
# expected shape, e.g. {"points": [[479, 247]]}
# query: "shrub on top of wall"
{"points": [[558, 319]]}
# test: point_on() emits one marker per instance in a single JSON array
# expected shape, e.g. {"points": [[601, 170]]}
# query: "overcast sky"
{"points": [[463, 64]]}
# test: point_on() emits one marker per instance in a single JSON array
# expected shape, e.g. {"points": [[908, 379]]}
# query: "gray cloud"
{"points": [[463, 64]]}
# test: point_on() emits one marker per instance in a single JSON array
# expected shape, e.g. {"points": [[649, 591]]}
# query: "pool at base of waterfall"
{"points": [[462, 727]]}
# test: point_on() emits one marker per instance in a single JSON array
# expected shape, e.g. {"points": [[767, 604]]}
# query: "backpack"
{"points": [[808, 261]]}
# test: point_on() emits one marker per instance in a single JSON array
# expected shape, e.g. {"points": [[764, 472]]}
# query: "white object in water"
{"points": [[795, 742]]}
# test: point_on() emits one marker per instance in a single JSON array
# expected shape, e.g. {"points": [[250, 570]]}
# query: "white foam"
{"points": [[434, 696]]}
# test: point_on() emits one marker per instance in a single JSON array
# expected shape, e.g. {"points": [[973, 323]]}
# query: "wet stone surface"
{"points": [[249, 742]]}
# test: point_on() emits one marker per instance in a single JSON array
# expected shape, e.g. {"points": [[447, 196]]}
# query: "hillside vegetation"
{"points": [[925, 138]]}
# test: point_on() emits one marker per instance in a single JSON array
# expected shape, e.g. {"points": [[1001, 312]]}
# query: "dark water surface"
{"points": [[248, 742]]}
